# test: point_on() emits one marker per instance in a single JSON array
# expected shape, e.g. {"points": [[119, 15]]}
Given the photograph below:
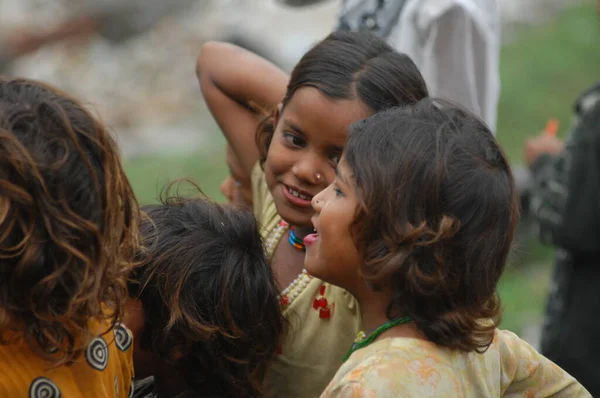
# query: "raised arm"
{"points": [[235, 83]]}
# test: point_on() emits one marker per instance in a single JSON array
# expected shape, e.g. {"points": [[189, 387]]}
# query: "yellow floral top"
{"points": [[406, 367], [315, 344]]}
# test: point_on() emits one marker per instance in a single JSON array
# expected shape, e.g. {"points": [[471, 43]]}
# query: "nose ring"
{"points": [[318, 176]]}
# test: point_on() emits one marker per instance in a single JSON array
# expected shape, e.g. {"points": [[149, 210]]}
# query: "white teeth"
{"points": [[299, 195]]}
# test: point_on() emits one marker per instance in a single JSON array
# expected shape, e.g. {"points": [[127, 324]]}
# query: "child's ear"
{"points": [[277, 114]]}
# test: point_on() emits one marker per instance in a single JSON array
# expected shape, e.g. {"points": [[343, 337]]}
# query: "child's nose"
{"points": [[316, 205], [309, 169], [318, 200]]}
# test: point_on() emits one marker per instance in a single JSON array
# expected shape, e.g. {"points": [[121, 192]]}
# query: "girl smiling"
{"points": [[343, 79]]}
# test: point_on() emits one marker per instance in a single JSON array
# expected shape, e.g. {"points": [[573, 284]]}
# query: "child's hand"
{"points": [[542, 144]]}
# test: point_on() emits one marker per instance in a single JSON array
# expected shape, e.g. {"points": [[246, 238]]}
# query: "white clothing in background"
{"points": [[456, 45]]}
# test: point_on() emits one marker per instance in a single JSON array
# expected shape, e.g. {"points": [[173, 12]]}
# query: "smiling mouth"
{"points": [[298, 194]]}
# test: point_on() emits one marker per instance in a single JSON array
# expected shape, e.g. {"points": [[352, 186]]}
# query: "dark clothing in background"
{"points": [[565, 204]]}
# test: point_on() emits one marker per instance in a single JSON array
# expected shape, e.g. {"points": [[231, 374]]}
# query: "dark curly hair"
{"points": [[351, 65], [68, 221], [211, 306], [437, 214]]}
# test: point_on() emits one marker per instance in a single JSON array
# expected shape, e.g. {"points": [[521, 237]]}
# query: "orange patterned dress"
{"points": [[407, 367]]}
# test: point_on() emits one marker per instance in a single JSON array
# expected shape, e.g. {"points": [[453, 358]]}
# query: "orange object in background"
{"points": [[552, 127]]}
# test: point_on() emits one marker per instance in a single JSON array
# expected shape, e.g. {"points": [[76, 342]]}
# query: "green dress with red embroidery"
{"points": [[323, 319]]}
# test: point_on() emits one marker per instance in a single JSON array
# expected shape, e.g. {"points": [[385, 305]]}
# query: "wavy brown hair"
{"points": [[211, 306], [350, 65], [68, 221], [437, 215]]}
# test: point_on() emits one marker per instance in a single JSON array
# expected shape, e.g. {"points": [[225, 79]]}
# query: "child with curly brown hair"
{"points": [[205, 309], [417, 225], [68, 232]]}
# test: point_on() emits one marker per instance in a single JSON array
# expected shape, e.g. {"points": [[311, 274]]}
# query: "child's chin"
{"points": [[294, 216], [312, 266]]}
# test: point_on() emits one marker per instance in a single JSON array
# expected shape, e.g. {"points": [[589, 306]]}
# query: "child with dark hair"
{"points": [[290, 156], [417, 226], [205, 316], [68, 235]]}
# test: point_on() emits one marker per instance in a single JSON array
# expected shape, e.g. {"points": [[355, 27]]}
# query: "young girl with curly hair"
{"points": [[204, 309], [68, 234], [417, 226], [291, 156]]}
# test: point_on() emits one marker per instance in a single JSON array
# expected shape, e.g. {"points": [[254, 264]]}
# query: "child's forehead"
{"points": [[312, 97], [310, 109]]}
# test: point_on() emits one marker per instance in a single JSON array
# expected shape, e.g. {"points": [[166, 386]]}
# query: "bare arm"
{"points": [[231, 80]]}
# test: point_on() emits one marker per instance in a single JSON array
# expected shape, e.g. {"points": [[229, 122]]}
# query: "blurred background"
{"points": [[137, 72]]}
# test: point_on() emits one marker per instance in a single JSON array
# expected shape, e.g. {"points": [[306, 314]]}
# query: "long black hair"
{"points": [[347, 65]]}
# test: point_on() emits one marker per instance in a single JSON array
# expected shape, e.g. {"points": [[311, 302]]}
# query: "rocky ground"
{"points": [[145, 88]]}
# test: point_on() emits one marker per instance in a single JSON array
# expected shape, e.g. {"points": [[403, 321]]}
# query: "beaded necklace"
{"points": [[296, 242], [362, 340], [293, 290], [274, 237]]}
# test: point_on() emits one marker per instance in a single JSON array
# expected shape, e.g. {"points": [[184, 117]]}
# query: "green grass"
{"points": [[523, 294], [542, 72], [524, 285], [206, 166]]}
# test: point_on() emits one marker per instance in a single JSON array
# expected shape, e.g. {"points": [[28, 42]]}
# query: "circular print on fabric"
{"points": [[123, 337], [97, 354], [42, 387]]}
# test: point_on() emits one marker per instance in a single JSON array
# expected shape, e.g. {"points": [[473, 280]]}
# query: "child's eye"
{"points": [[338, 192], [335, 159], [294, 140]]}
